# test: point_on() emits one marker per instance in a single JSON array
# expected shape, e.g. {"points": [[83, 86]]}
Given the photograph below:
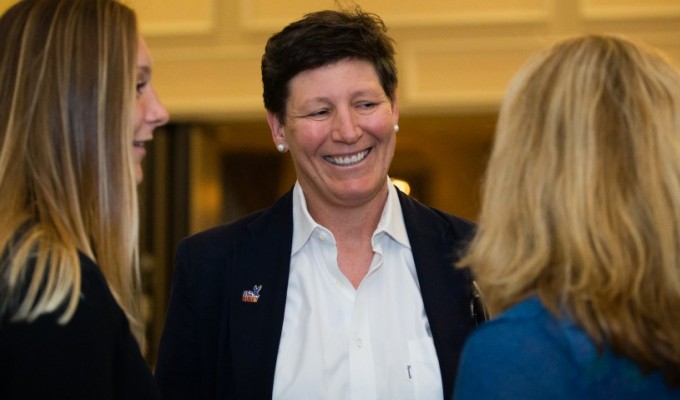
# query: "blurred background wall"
{"points": [[215, 161]]}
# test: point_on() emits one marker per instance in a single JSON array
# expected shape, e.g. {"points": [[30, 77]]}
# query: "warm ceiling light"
{"points": [[402, 185]]}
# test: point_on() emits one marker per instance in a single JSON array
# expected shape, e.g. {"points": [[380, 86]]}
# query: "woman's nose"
{"points": [[345, 128], [157, 114]]}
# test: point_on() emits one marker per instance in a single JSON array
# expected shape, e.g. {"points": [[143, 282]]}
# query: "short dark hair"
{"points": [[322, 38]]}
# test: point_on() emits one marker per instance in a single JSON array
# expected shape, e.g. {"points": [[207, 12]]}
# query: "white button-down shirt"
{"points": [[340, 343]]}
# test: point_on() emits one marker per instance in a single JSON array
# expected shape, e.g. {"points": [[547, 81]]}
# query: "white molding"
{"points": [[644, 10], [447, 18], [174, 29], [202, 23], [414, 59]]}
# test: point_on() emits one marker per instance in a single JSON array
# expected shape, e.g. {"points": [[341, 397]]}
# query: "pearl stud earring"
{"points": [[281, 148]]}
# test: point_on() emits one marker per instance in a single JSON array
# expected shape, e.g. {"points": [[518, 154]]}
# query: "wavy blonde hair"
{"points": [[582, 197], [67, 80]]}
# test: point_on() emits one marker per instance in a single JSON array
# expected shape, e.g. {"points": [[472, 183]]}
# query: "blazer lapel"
{"points": [[257, 299], [445, 290]]}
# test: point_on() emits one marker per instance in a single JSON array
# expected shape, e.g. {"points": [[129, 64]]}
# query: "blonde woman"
{"points": [[578, 248], [70, 104]]}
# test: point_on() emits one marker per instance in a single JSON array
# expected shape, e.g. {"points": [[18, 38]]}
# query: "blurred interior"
{"points": [[216, 161]]}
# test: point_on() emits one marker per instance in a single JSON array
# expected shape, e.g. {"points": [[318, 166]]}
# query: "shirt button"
{"points": [[322, 236], [359, 343]]}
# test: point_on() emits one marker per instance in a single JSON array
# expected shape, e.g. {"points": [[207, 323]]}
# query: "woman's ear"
{"points": [[278, 134]]}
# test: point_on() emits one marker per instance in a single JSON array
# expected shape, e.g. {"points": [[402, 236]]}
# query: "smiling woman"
{"points": [[340, 131], [70, 322], [357, 294]]}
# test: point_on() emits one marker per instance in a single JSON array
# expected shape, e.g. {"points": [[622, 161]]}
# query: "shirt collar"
{"points": [[303, 223], [391, 221]]}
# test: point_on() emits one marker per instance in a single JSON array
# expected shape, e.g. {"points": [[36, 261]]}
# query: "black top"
{"points": [[93, 356]]}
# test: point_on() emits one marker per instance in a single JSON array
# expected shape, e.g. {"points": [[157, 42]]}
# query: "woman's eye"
{"points": [[367, 105], [318, 113], [140, 86]]}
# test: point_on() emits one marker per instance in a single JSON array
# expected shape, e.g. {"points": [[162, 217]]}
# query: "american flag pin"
{"points": [[251, 296]]}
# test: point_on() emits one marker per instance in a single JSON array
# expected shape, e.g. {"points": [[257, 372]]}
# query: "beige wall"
{"points": [[454, 56]]}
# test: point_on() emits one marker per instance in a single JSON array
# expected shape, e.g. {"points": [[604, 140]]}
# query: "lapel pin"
{"points": [[251, 296]]}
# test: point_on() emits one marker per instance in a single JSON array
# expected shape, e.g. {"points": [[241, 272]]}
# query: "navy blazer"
{"points": [[216, 346]]}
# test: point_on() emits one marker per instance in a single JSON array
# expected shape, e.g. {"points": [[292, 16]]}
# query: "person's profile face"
{"points": [[149, 112], [340, 132]]}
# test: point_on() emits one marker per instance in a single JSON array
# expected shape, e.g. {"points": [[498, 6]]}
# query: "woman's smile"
{"points": [[348, 160]]}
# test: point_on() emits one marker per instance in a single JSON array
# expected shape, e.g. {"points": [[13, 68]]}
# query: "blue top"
{"points": [[526, 353]]}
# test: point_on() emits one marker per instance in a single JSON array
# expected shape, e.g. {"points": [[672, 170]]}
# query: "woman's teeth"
{"points": [[348, 160]]}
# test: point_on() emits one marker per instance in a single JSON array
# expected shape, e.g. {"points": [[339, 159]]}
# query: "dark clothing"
{"points": [[216, 346], [93, 356]]}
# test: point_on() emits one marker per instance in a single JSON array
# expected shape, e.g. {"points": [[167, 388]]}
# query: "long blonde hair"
{"points": [[67, 80], [582, 197]]}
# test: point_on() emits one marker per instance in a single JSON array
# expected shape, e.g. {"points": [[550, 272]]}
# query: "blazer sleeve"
{"points": [[177, 369]]}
